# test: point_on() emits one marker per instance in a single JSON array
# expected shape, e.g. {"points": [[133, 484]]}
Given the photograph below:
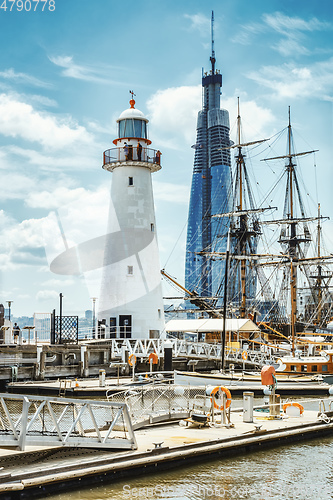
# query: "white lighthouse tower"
{"points": [[131, 301]]}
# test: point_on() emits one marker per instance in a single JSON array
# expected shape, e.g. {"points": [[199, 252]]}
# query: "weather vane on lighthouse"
{"points": [[132, 101]]}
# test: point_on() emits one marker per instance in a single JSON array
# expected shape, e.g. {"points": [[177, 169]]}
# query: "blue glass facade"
{"points": [[210, 193]]}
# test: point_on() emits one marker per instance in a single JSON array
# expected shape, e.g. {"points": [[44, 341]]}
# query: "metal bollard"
{"points": [[102, 378], [248, 407]]}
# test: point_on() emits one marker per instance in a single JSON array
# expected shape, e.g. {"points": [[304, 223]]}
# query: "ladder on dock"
{"points": [[63, 387]]}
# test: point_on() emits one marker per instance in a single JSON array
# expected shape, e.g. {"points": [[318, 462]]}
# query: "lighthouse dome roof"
{"points": [[132, 113]]}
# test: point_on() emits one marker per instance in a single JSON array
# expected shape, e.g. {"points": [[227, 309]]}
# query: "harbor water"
{"points": [[301, 471]]}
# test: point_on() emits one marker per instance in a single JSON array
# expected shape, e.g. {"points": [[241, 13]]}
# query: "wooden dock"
{"points": [[89, 387], [37, 472]]}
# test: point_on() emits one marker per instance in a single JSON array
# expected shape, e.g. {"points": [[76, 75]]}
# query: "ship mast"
{"points": [[290, 238], [243, 226], [321, 276], [292, 243]]}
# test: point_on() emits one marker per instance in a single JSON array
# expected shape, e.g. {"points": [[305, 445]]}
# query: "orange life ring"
{"points": [[216, 400], [153, 357], [301, 408], [132, 360], [244, 355]]}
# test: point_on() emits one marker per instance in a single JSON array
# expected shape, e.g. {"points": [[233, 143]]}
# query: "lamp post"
{"points": [[94, 316], [60, 316], [9, 302], [225, 302]]}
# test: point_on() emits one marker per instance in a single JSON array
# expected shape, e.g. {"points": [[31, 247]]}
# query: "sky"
{"points": [[66, 68]]}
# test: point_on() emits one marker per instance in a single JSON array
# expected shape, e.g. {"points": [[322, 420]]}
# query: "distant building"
{"points": [[210, 191], [88, 315]]}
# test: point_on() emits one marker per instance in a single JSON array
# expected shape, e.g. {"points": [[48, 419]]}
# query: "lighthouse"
{"points": [[131, 301]]}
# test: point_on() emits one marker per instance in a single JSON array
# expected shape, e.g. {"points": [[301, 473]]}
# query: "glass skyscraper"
{"points": [[210, 192]]}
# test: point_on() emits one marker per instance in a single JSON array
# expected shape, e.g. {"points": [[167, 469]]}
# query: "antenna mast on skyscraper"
{"points": [[212, 58]]}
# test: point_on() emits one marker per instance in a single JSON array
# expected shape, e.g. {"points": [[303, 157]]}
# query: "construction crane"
{"points": [[194, 298]]}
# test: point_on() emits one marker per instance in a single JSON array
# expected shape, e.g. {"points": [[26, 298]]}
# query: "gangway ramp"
{"points": [[47, 421]]}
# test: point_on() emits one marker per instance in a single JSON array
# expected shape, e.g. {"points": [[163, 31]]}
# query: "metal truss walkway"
{"points": [[192, 350], [45, 421]]}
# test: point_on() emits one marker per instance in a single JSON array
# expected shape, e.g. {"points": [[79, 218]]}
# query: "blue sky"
{"points": [[65, 77]]}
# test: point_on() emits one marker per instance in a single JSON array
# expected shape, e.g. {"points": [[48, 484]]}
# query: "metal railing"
{"points": [[46, 421], [147, 155], [158, 403], [183, 348]]}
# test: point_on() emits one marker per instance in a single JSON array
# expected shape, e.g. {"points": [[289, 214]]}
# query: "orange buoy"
{"points": [[244, 355], [153, 357], [216, 397], [297, 405], [132, 360]]}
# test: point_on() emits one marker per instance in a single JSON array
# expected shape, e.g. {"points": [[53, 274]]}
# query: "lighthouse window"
{"points": [[133, 128], [130, 181], [130, 270], [152, 228], [137, 128]]}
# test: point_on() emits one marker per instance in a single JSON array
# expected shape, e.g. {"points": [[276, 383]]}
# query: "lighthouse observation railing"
{"points": [[147, 155]]}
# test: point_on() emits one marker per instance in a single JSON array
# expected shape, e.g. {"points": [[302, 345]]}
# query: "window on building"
{"points": [[152, 227], [314, 368], [130, 270], [159, 313], [130, 181], [293, 368], [324, 368]]}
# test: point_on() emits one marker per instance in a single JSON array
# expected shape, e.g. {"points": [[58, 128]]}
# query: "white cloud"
{"points": [[87, 73], [287, 25], [10, 74], [87, 157], [21, 243], [16, 185], [22, 235], [289, 80], [19, 119], [199, 23], [289, 46], [53, 282], [165, 191], [56, 198], [44, 295], [5, 219], [173, 114], [293, 31]]}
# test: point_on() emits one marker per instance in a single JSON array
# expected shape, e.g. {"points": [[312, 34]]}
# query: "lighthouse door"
{"points": [[125, 326]]}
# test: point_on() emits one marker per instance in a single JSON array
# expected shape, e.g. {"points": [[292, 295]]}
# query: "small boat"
{"points": [[320, 364], [246, 379]]}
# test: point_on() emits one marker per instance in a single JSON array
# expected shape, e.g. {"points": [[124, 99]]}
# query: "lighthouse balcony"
{"points": [[147, 157]]}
